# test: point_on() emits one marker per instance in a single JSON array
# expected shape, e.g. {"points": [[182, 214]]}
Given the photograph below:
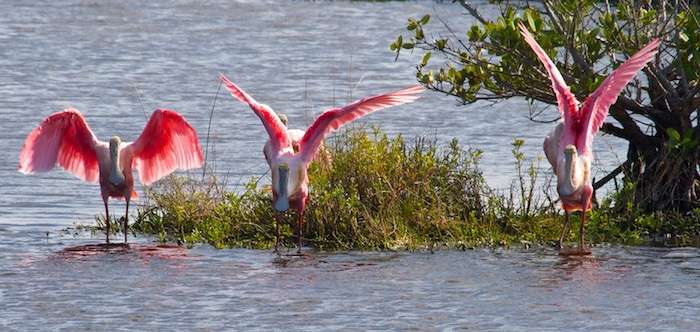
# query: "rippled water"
{"points": [[634, 289], [117, 61]]}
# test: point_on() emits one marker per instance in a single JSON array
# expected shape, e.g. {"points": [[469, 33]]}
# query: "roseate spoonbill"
{"points": [[64, 138], [568, 145], [289, 152]]}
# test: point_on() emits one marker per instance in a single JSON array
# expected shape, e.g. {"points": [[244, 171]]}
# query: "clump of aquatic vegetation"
{"points": [[378, 192], [618, 220]]}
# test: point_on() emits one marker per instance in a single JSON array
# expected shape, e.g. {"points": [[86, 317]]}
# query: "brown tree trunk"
{"points": [[666, 180]]}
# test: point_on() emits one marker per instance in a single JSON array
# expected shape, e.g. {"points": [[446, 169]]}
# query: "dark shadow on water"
{"points": [[573, 264], [332, 262], [575, 252], [284, 260], [143, 251]]}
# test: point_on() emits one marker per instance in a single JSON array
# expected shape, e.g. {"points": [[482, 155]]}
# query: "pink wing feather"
{"points": [[167, 143], [595, 108], [566, 100], [273, 125], [332, 119], [64, 139]]}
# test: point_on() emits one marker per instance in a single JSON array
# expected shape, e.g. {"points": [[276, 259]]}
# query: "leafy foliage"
{"points": [[658, 114]]}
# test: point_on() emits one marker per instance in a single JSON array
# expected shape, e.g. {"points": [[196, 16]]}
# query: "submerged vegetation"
{"points": [[383, 193]]}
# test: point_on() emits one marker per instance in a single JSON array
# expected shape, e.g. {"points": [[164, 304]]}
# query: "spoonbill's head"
{"points": [[283, 118], [570, 150], [114, 143]]}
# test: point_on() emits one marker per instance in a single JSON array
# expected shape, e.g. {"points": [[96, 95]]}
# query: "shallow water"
{"points": [[117, 61], [44, 286]]}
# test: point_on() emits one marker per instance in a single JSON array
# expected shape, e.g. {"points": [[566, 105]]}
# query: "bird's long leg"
{"points": [[300, 222], [104, 199], [564, 230], [278, 220], [126, 220], [582, 232]]}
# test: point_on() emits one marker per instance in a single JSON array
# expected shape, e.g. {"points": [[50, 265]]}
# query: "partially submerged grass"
{"points": [[379, 193]]}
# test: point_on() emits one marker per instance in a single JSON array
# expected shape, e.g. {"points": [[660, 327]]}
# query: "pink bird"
{"points": [[568, 146], [289, 152], [64, 138]]}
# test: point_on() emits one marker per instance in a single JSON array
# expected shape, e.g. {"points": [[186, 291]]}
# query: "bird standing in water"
{"points": [[568, 146], [289, 152], [64, 138]]}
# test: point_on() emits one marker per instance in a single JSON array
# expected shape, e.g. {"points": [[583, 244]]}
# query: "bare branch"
{"points": [[472, 11]]}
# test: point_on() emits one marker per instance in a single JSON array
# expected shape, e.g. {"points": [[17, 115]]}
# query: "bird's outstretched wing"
{"points": [[167, 143], [273, 125], [332, 119], [565, 99], [65, 139], [595, 108]]}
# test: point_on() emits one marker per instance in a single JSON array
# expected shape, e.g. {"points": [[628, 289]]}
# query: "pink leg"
{"points": [[564, 230], [300, 222], [582, 233], [588, 191], [278, 220], [107, 222], [126, 220]]}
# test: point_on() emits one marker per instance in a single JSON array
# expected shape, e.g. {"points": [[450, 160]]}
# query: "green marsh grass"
{"points": [[380, 193], [376, 193]]}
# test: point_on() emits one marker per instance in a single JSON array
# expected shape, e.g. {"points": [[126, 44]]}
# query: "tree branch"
{"points": [[611, 175], [580, 62], [472, 11]]}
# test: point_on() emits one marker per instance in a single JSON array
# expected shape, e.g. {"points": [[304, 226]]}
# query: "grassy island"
{"points": [[372, 192]]}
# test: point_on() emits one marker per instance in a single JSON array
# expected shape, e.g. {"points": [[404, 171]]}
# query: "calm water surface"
{"points": [[116, 61]]}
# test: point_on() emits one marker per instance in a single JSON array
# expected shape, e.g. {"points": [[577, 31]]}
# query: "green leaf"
{"points": [[474, 34], [425, 59], [451, 73], [423, 78], [441, 43], [673, 135], [419, 34], [396, 45], [517, 143], [412, 24], [425, 19], [530, 21]]}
